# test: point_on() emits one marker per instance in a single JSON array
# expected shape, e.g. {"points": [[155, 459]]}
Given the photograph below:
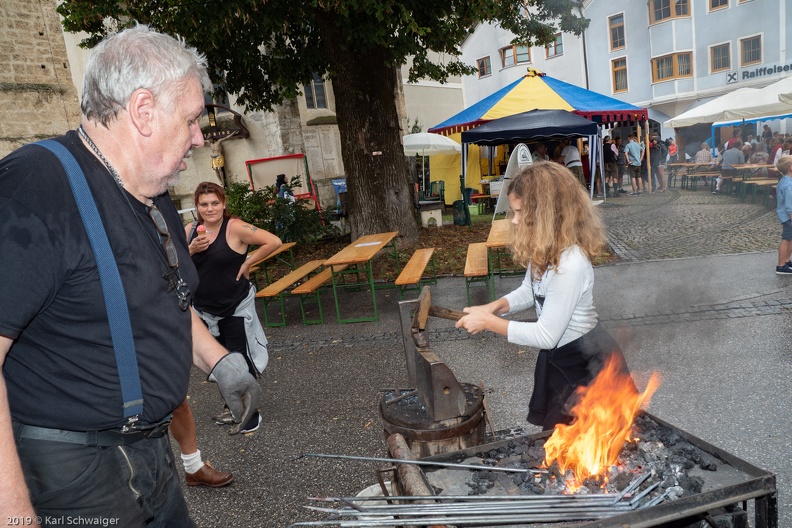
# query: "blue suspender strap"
{"points": [[112, 288]]}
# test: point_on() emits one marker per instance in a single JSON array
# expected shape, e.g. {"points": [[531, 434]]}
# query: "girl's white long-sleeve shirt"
{"points": [[567, 311]]}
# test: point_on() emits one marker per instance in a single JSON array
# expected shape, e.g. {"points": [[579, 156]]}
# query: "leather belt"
{"points": [[106, 438]]}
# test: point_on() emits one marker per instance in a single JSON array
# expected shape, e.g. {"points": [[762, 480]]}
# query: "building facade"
{"points": [[500, 62], [668, 56], [673, 55], [38, 97], [41, 85]]}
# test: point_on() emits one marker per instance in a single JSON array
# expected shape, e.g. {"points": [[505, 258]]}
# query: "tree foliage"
{"points": [[230, 32], [264, 51]]}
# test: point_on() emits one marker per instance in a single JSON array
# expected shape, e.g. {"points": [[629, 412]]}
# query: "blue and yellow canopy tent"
{"points": [[535, 90]]}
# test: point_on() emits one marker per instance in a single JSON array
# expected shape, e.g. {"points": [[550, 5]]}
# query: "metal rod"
{"points": [[536, 502], [401, 397], [376, 508], [455, 521], [451, 509], [423, 463], [504, 498], [657, 500], [633, 485]]}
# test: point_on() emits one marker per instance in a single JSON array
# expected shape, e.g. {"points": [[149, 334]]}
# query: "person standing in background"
{"points": [[570, 157], [610, 155], [621, 162], [784, 212], [634, 158], [225, 298]]}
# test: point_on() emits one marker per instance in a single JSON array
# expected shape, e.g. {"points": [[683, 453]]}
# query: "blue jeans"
{"points": [[130, 486]]}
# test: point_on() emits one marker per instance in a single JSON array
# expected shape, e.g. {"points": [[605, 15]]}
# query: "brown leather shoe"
{"points": [[209, 476]]}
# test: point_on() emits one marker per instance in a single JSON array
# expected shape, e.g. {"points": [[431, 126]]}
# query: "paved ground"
{"points": [[693, 297]]}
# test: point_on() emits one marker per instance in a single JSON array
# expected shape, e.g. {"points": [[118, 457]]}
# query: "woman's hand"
{"points": [[199, 244], [244, 269], [486, 317], [476, 320]]}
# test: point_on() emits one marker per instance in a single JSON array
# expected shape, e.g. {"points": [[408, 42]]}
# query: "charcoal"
{"points": [[622, 480], [691, 485], [682, 461], [707, 462], [661, 452], [538, 489]]}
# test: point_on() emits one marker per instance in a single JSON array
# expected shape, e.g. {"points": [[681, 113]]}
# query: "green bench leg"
{"points": [[306, 321], [274, 324]]}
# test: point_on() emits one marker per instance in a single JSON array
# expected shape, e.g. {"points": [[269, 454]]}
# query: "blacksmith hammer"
{"points": [[425, 309]]}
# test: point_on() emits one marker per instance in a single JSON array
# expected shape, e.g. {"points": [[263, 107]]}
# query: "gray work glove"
{"points": [[238, 388]]}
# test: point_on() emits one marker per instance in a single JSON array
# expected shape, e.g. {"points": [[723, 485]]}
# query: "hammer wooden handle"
{"points": [[445, 313]]}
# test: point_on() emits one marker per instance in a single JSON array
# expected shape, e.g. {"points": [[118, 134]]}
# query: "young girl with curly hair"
{"points": [[557, 231]]}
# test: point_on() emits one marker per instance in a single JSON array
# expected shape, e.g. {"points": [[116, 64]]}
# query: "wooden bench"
{"points": [[477, 268], [690, 180], [261, 265], [276, 290], [312, 286], [411, 276], [757, 185]]}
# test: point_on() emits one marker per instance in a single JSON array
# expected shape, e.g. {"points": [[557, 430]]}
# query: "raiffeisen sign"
{"points": [[763, 71]]}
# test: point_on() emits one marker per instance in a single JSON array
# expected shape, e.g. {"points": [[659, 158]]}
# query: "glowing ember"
{"points": [[603, 419]]}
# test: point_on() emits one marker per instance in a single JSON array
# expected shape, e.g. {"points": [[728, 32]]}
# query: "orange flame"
{"points": [[603, 419]]}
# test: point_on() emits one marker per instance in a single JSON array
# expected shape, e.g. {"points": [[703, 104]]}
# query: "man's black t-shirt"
{"points": [[61, 369]]}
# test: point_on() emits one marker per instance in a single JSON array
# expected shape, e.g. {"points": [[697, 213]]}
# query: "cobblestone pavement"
{"points": [[694, 296], [681, 223]]}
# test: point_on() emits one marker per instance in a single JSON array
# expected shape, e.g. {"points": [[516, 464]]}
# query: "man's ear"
{"points": [[142, 108]]}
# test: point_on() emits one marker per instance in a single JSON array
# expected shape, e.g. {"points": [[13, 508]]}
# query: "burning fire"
{"points": [[603, 419]]}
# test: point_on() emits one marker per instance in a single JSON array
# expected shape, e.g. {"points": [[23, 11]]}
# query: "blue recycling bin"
{"points": [[339, 186]]}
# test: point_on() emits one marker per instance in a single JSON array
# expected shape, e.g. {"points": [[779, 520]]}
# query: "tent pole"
{"points": [[648, 156]]}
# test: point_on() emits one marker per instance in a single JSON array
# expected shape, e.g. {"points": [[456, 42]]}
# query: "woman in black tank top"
{"points": [[219, 246]]}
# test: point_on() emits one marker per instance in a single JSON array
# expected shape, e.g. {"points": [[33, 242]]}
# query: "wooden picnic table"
{"points": [[747, 170], [693, 171], [498, 240], [278, 254], [499, 234], [354, 256], [753, 174]]}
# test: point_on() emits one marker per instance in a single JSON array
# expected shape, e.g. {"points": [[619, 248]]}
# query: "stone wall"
{"points": [[37, 96]]}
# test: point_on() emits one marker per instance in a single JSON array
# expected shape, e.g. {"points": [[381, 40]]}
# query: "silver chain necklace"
{"points": [[113, 172]]}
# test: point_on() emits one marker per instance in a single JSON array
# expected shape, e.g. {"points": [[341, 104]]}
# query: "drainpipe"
{"points": [[585, 59]]}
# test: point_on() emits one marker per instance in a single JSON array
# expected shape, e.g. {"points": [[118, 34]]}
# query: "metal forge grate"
{"points": [[728, 482]]}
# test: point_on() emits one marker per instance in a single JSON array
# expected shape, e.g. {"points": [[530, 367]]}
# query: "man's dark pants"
{"points": [[128, 486]]}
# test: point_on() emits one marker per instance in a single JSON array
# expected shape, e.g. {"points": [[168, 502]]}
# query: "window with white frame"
{"points": [[514, 54], [619, 69], [750, 50], [616, 26], [484, 67], [556, 47], [720, 57], [718, 4], [315, 96]]}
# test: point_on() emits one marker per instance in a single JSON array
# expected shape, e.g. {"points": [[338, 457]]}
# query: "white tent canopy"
{"points": [[784, 89], [744, 103]]}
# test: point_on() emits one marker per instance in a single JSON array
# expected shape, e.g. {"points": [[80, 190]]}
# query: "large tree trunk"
{"points": [[380, 197]]}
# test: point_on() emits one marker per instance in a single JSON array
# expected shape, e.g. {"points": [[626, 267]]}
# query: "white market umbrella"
{"points": [[784, 90], [426, 144], [745, 103]]}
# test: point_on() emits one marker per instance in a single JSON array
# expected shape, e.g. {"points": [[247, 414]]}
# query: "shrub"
{"points": [[292, 221]]}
